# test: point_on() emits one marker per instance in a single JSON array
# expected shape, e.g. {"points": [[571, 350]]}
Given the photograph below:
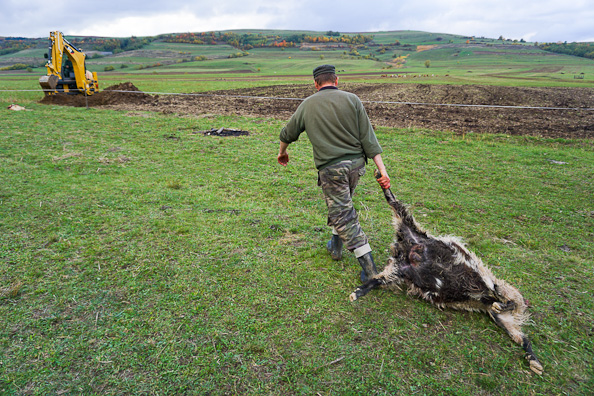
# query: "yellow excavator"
{"points": [[68, 73]]}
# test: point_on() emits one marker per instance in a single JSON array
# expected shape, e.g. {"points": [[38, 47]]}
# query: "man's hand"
{"points": [[283, 158], [384, 181]]}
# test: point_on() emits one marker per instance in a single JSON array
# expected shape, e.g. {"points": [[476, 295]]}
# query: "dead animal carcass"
{"points": [[15, 107], [444, 272]]}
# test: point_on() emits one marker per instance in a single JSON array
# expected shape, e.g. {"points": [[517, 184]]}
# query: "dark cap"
{"points": [[323, 70]]}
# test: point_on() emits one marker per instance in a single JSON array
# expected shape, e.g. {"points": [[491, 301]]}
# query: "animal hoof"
{"points": [[353, 297], [536, 367]]}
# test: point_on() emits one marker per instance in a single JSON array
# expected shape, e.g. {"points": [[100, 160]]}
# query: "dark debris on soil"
{"points": [[574, 121], [223, 132]]}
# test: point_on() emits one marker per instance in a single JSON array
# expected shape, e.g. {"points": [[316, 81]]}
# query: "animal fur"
{"points": [[444, 272], [15, 107]]}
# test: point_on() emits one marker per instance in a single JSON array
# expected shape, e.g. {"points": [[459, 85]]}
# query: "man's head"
{"points": [[325, 75]]}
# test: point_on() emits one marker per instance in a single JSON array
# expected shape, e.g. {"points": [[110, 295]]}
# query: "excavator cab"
{"points": [[66, 69]]}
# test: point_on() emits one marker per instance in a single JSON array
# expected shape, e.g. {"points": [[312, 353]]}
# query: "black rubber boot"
{"points": [[334, 247], [369, 270]]}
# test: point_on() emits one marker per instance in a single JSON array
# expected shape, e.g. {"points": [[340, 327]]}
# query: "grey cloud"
{"points": [[543, 20]]}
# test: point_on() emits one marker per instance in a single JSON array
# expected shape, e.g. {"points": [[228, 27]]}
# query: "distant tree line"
{"points": [[114, 45], [18, 66], [191, 38], [241, 41], [355, 39], [244, 41], [584, 50], [248, 41], [9, 45]]}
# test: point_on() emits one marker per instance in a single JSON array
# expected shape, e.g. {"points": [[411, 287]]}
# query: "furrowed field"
{"points": [[139, 256]]}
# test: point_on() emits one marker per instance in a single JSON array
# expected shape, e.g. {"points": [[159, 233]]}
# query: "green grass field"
{"points": [[140, 257]]}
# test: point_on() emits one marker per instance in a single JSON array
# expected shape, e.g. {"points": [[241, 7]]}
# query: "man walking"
{"points": [[342, 138]]}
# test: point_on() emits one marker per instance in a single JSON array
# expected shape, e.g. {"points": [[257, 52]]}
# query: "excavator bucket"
{"points": [[49, 83]]}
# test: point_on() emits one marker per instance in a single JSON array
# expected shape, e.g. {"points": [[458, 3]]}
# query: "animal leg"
{"points": [[499, 307], [365, 288], [507, 322], [398, 207], [531, 357]]}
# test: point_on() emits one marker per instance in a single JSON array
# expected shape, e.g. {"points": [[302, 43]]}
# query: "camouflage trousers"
{"points": [[338, 183]]}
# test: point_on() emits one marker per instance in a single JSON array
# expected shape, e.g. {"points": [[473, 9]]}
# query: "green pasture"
{"points": [[182, 82], [195, 50], [510, 65], [524, 66], [138, 256], [161, 54], [454, 61], [423, 38], [36, 54]]}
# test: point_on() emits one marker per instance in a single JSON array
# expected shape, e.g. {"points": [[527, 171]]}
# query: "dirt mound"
{"points": [[121, 94], [388, 104], [124, 93]]}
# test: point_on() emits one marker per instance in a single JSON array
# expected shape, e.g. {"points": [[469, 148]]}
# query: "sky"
{"points": [[531, 20]]}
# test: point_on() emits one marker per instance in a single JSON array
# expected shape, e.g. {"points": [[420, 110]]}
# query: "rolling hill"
{"points": [[274, 52]]}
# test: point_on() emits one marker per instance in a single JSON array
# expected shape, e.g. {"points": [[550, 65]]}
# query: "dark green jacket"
{"points": [[337, 126]]}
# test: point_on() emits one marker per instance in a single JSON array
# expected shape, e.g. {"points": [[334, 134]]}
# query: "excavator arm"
{"points": [[66, 70]]}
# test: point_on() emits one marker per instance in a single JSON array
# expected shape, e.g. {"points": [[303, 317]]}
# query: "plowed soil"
{"points": [[575, 120]]}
